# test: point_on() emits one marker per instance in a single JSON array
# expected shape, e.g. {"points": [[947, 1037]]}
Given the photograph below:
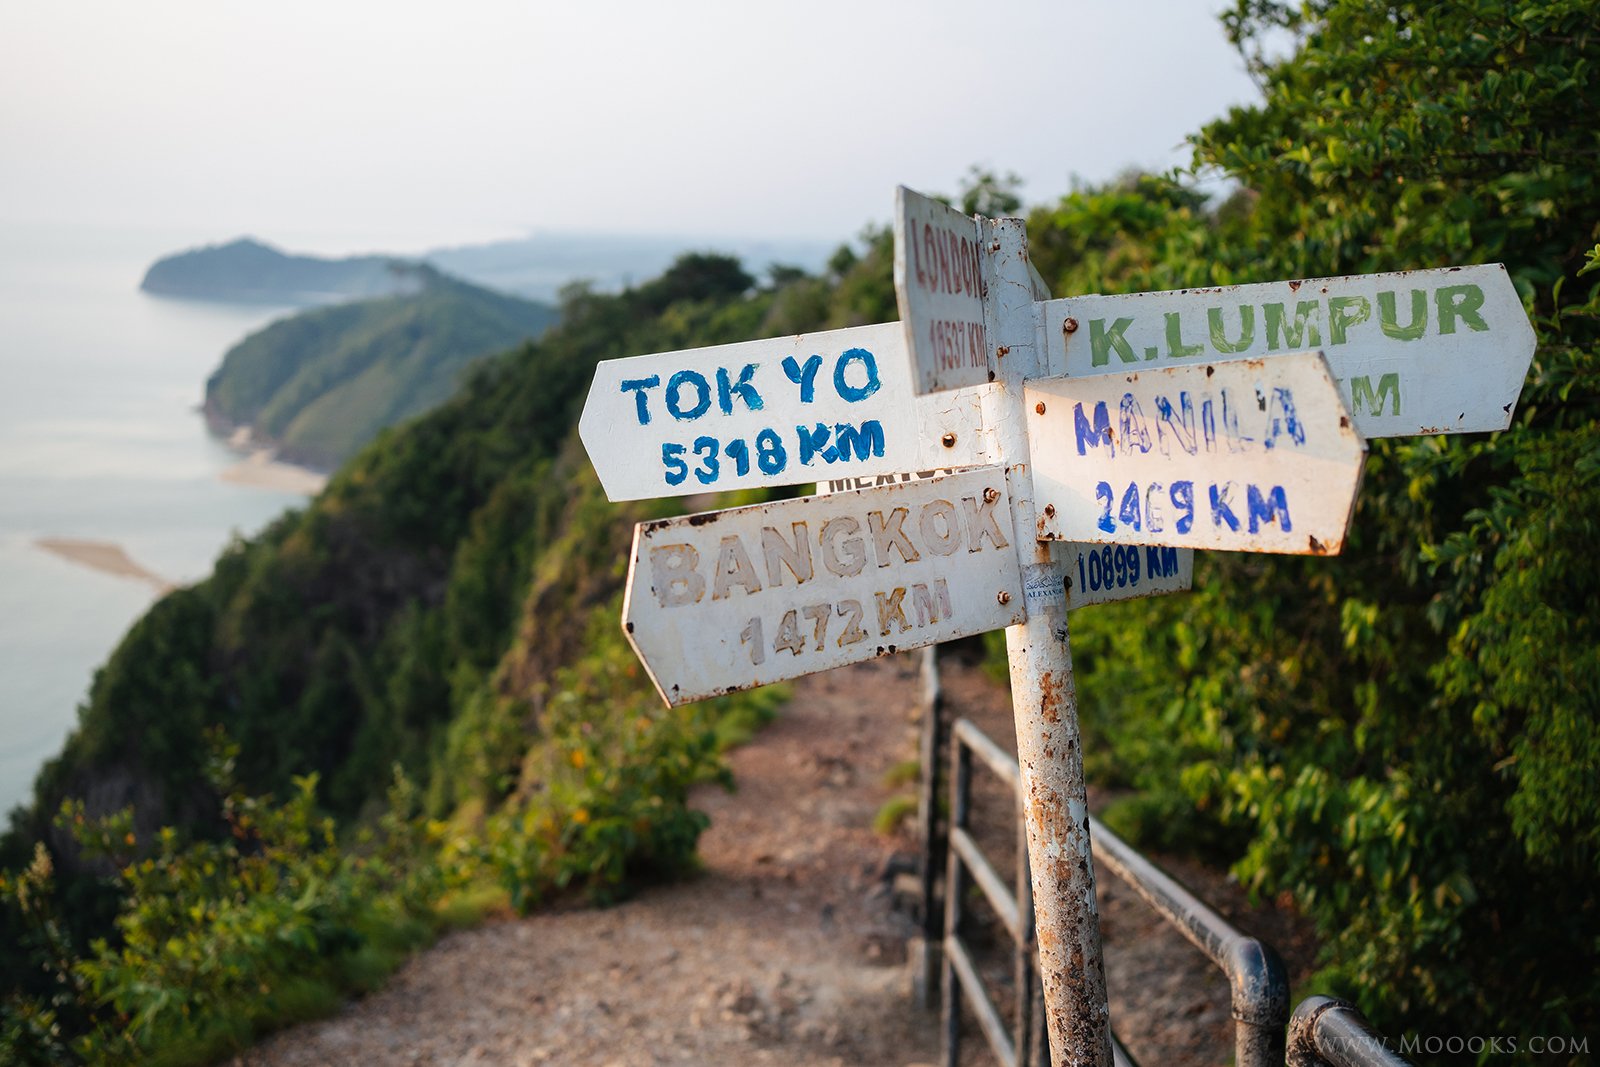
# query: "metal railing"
{"points": [[1014, 906], [1324, 1033]]}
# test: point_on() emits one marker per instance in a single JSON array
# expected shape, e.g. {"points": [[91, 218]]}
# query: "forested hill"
{"points": [[320, 384], [248, 271]]}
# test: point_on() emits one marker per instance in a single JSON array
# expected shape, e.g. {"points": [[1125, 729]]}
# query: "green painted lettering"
{"points": [[1102, 341], [1389, 321], [1302, 333], [1345, 312], [1460, 302], [1176, 349], [1219, 336], [1361, 394]]}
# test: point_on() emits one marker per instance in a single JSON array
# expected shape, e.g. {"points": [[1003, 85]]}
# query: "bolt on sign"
{"points": [[763, 413], [940, 287], [1253, 455], [727, 600], [1414, 352]]}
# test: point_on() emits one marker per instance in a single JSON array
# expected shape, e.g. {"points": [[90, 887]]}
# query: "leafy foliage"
{"points": [[1406, 737], [322, 383]]}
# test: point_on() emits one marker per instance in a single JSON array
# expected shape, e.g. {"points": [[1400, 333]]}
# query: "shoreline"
{"points": [[104, 556], [261, 469]]}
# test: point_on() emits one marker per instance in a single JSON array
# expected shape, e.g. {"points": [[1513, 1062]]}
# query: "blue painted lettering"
{"points": [[866, 440], [1222, 507], [727, 390], [1282, 419], [805, 377], [1182, 495], [702, 390], [1096, 435], [1182, 430], [1268, 508], [637, 386], [1128, 513], [814, 443], [1131, 424], [1102, 493], [854, 393]]}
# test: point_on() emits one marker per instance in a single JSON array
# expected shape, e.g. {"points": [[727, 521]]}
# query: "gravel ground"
{"points": [[788, 947]]}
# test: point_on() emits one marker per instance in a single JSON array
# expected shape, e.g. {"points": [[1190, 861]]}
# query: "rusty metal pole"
{"points": [[1043, 693]]}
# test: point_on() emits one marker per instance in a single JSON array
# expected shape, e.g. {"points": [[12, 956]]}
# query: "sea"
{"points": [[101, 440]]}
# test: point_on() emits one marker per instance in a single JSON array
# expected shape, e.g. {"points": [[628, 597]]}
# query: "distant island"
{"points": [[250, 271], [317, 386], [536, 267]]}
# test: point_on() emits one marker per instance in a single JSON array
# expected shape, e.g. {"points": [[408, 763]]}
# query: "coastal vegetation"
{"points": [[319, 385], [423, 668]]}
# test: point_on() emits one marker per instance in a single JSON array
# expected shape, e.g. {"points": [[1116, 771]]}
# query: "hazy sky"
{"points": [[344, 124]]}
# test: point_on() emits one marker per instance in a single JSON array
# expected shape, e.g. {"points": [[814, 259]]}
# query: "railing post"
{"points": [[949, 989], [935, 834]]}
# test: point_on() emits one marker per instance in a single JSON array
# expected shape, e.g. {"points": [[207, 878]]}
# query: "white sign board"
{"points": [[1251, 455], [1416, 352], [762, 413], [940, 286], [1091, 574], [727, 600]]}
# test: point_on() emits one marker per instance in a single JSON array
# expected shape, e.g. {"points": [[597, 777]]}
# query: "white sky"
{"points": [[340, 125]]}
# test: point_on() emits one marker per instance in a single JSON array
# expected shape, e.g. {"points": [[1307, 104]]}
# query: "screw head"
{"points": [[1039, 407], [990, 495], [1049, 511], [1004, 597], [948, 440], [1070, 325]]}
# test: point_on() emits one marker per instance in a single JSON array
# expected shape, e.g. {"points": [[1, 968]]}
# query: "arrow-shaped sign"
{"points": [[1253, 455], [940, 285], [727, 600], [783, 411], [1416, 352]]}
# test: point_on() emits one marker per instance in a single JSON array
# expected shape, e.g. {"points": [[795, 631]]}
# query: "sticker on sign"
{"points": [[940, 287], [728, 600], [1414, 352], [1250, 456]]}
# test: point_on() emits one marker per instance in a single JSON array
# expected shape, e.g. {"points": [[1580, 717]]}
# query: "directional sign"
{"points": [[1253, 455], [940, 286], [764, 413], [1093, 574], [1417, 352], [728, 600], [1103, 574]]}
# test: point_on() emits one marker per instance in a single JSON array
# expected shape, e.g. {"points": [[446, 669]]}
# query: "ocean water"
{"points": [[100, 440]]}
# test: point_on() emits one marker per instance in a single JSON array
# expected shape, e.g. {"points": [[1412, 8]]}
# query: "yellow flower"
{"points": [[581, 816], [578, 759]]}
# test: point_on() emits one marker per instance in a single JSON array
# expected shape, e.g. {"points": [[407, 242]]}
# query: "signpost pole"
{"points": [[1044, 695]]}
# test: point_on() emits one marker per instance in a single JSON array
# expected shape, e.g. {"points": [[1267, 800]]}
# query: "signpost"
{"points": [[732, 599], [1416, 352], [1252, 456], [1127, 431]]}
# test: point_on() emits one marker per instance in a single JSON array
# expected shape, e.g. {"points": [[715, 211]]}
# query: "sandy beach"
{"points": [[262, 470], [103, 556]]}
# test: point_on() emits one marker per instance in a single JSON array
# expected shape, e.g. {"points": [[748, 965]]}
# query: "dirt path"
{"points": [[787, 949]]}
